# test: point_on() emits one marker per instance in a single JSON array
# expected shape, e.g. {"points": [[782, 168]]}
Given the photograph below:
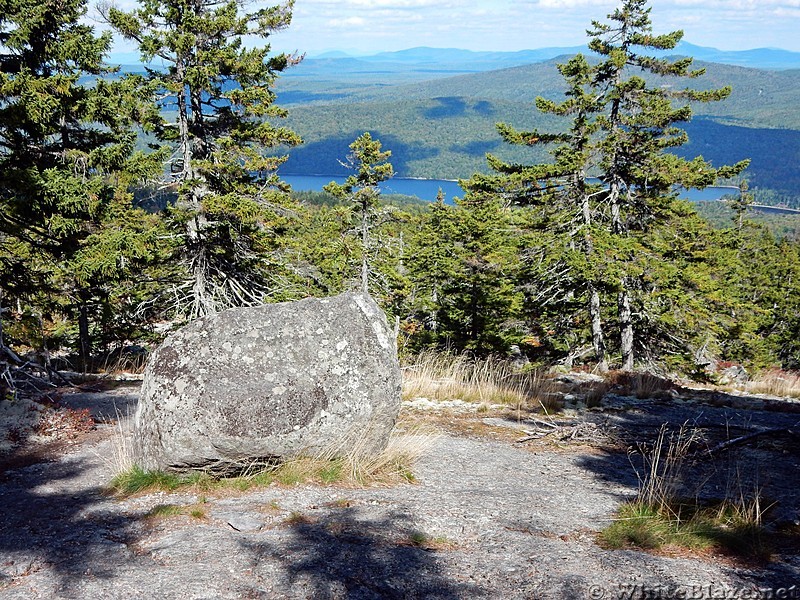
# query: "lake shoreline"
{"points": [[428, 189]]}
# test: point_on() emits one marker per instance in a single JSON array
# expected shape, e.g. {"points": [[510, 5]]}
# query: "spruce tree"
{"points": [[218, 117], [62, 142], [590, 241], [371, 165], [479, 302], [433, 264], [638, 129], [566, 207], [741, 203]]}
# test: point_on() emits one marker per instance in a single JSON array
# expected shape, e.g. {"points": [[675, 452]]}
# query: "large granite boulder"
{"points": [[274, 381]]}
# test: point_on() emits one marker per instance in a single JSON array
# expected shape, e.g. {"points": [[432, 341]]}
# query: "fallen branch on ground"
{"points": [[746, 438], [565, 432]]}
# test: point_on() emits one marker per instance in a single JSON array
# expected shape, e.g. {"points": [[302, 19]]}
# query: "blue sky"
{"points": [[368, 26]]}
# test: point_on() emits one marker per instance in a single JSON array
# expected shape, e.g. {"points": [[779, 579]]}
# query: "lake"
{"points": [[426, 189]]}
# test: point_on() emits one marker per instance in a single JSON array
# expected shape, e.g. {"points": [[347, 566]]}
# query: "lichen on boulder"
{"points": [[269, 382]]}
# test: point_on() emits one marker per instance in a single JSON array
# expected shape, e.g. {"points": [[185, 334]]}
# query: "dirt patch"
{"points": [[487, 518]]}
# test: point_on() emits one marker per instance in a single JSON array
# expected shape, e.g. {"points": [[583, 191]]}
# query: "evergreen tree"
{"points": [[741, 204], [231, 203], [588, 241], [566, 211], [637, 130], [783, 331], [371, 165], [479, 304], [61, 142], [433, 264]]}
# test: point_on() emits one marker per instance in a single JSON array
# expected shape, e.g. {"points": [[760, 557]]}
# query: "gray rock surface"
{"points": [[733, 374], [272, 381], [516, 522]]}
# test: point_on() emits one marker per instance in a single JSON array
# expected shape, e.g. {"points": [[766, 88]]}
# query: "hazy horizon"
{"points": [[373, 26], [131, 57]]}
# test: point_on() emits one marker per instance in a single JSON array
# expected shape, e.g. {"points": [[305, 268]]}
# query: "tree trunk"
{"points": [[364, 248], [202, 303], [598, 342], [626, 328], [2, 343], [84, 340], [616, 211]]}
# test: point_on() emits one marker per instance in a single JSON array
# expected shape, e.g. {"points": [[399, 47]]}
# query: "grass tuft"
{"points": [[298, 518], [483, 381], [165, 511], [719, 527], [420, 539], [660, 517], [348, 462], [137, 480]]}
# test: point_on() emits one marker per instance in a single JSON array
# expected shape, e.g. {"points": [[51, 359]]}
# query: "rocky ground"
{"points": [[503, 507]]}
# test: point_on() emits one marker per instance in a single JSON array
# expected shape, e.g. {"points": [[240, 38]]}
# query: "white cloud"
{"points": [[348, 22], [557, 4], [375, 25], [392, 4]]}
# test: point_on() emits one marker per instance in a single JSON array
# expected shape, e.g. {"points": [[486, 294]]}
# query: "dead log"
{"points": [[746, 438]]}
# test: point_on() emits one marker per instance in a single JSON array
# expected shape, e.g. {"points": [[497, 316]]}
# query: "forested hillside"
{"points": [[442, 128], [536, 259]]}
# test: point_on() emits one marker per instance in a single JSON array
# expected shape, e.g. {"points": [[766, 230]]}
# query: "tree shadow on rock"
{"points": [[730, 454], [49, 522], [346, 555]]}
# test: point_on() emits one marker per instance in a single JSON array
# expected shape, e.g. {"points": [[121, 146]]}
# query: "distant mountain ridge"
{"points": [[436, 109], [441, 125], [470, 61], [759, 58]]}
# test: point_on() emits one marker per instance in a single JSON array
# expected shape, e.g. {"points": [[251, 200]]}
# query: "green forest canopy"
{"points": [[532, 256]]}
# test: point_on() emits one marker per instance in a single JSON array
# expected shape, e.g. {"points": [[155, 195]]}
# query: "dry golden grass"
{"points": [[785, 384], [348, 462], [121, 444], [638, 383], [358, 466], [440, 376], [663, 467], [124, 362], [120, 459]]}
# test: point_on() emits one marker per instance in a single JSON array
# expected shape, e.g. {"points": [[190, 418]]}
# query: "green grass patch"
{"points": [[294, 472], [719, 527], [347, 463], [137, 480], [165, 511], [420, 539]]}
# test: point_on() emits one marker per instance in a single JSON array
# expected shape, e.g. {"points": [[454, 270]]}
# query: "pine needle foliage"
{"points": [[66, 149], [588, 248], [218, 95]]}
